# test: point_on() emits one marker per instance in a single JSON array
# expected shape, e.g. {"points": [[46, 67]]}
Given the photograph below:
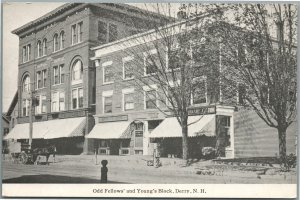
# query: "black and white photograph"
{"points": [[192, 99]]}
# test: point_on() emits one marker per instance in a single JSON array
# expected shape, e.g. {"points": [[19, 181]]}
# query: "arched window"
{"points": [[39, 47], [77, 70], [55, 42], [26, 84], [62, 40], [44, 46]]}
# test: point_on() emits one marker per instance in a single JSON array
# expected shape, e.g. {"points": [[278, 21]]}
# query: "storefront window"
{"points": [[225, 129]]}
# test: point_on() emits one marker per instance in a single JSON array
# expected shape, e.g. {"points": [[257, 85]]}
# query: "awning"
{"points": [[199, 125], [57, 128], [110, 130]]}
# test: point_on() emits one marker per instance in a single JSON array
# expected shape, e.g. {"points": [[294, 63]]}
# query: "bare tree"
{"points": [[259, 53], [170, 68]]}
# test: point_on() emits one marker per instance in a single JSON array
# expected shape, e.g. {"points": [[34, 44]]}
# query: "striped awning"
{"points": [[58, 128], [199, 125]]}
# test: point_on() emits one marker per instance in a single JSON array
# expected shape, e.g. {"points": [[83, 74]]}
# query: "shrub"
{"points": [[208, 152]]}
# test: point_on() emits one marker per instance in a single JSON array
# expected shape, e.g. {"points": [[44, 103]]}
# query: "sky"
{"points": [[14, 16]]}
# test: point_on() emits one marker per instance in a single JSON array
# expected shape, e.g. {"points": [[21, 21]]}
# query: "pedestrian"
{"points": [[157, 155], [104, 171]]}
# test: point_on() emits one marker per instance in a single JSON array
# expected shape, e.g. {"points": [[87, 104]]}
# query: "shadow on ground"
{"points": [[46, 178]]}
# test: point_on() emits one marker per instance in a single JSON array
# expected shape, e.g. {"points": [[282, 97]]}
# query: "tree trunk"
{"points": [[282, 145], [185, 146]]}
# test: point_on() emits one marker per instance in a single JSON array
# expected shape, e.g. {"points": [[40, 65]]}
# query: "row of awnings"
{"points": [[60, 128], [169, 127], [74, 127]]}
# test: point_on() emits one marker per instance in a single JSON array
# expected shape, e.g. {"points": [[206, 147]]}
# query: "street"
{"points": [[131, 171]]}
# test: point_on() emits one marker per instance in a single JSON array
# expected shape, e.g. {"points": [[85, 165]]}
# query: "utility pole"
{"points": [[31, 101]]}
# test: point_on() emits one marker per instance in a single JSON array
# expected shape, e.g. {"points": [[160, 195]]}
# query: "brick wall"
{"points": [[254, 138]]}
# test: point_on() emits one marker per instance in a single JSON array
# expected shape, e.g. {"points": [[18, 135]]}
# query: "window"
{"points": [[77, 70], [26, 84], [55, 43], [107, 32], [102, 31], [128, 99], [77, 98], [174, 57], [39, 47], [113, 33], [44, 47], [73, 34], [28, 52], [264, 95], [40, 104], [149, 62], [108, 73], [24, 54], [150, 99], [199, 94], [25, 107], [80, 32], [44, 74], [58, 101], [108, 104], [56, 75], [128, 68], [61, 74], [39, 79], [62, 40]]}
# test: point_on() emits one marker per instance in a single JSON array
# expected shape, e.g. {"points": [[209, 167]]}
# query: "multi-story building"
{"points": [[56, 75], [127, 122]]}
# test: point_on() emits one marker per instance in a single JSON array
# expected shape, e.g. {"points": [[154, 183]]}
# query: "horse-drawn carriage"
{"points": [[21, 152]]}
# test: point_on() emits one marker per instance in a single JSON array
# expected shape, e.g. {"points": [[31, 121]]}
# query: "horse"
{"points": [[46, 151]]}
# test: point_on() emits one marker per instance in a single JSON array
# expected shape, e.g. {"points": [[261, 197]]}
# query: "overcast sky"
{"points": [[14, 16]]}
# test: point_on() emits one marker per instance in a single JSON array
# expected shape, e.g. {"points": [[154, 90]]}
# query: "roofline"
{"points": [[68, 6], [12, 104]]}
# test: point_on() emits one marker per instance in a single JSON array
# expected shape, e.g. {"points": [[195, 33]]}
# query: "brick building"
{"points": [[56, 74], [126, 123]]}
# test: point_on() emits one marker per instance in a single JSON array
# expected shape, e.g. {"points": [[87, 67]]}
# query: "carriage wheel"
{"points": [[23, 157]]}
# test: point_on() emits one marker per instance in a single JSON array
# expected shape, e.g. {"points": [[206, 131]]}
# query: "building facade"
{"points": [[127, 122], [57, 80]]}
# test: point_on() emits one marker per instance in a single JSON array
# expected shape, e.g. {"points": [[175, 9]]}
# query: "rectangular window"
{"points": [[44, 73], [73, 34], [108, 74], [28, 52], [150, 65], [61, 74], [174, 58], [39, 79], [150, 99], [61, 101], [199, 92], [54, 100], [77, 98], [44, 47], [80, 32], [44, 103], [108, 104], [74, 98], [37, 105], [225, 129], [128, 72], [113, 33], [56, 75], [102, 32], [80, 98], [24, 107], [128, 101], [24, 54]]}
